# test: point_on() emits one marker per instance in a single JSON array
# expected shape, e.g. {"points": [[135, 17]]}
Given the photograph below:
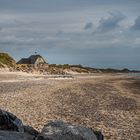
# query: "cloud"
{"points": [[89, 25], [110, 23], [136, 25], [48, 33], [59, 32]]}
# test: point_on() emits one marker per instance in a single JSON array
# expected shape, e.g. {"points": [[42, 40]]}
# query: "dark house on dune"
{"points": [[33, 59]]}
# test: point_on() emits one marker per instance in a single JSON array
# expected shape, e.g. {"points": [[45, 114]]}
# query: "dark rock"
{"points": [[59, 130], [10, 122], [98, 135], [12, 128], [12, 135], [30, 130]]}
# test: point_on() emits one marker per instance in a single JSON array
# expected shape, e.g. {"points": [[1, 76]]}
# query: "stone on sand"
{"points": [[59, 130]]}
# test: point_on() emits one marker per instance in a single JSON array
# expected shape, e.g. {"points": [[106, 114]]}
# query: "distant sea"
{"points": [[134, 74]]}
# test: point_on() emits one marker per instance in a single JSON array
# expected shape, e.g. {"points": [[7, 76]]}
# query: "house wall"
{"points": [[39, 61]]}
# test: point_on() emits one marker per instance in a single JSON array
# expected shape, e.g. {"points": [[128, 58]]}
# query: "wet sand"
{"points": [[106, 102]]}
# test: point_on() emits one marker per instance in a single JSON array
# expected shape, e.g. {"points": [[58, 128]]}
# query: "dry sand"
{"points": [[108, 103]]}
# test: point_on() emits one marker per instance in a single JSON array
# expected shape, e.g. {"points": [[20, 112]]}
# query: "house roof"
{"points": [[30, 60]]}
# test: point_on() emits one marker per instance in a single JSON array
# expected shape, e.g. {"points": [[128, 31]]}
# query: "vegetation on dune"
{"points": [[6, 60]]}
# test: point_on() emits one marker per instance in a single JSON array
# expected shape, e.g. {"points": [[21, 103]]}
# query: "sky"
{"points": [[95, 33]]}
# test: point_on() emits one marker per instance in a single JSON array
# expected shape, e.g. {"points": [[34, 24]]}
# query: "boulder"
{"points": [[12, 128], [30, 130], [12, 135], [59, 130], [10, 122]]}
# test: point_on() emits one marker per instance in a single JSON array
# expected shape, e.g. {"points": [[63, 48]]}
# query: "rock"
{"points": [[30, 130], [59, 130], [12, 128], [12, 135], [98, 135], [10, 122]]}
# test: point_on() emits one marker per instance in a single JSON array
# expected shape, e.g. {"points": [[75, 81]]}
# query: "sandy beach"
{"points": [[106, 102]]}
